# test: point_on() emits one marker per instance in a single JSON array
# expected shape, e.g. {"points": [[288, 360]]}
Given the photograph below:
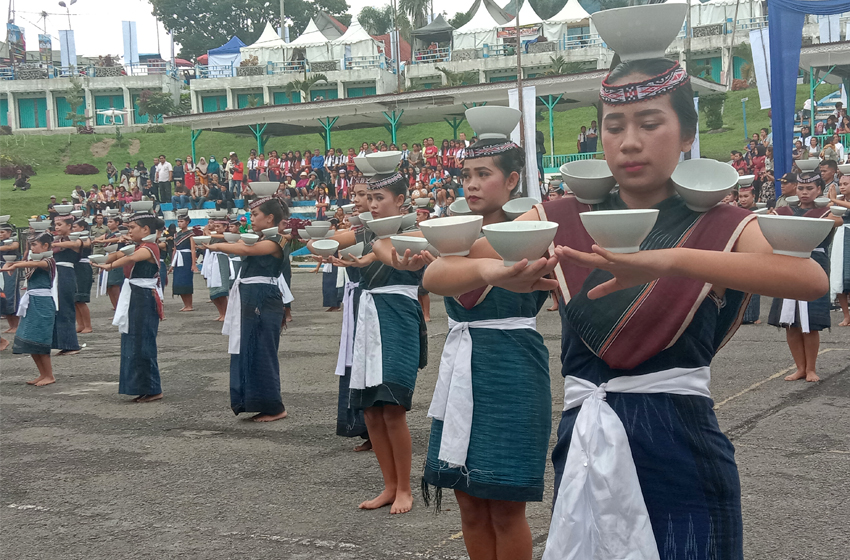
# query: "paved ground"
{"points": [[87, 474]]}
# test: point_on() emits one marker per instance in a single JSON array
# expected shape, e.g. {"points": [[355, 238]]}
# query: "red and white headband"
{"points": [[662, 84]]}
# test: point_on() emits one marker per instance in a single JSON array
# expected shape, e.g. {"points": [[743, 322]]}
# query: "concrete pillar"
{"points": [[482, 77], [231, 99], [267, 95], [90, 112], [13, 111], [128, 106], [52, 119], [195, 99], [340, 90]]}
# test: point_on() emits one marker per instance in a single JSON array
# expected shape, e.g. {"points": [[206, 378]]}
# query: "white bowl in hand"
{"points": [[249, 238], [110, 248], [354, 220], [99, 259], [408, 221], [794, 236], [270, 232], [347, 208], [454, 235], [128, 250], [149, 238], [232, 237], [365, 217], [516, 207], [619, 231], [838, 210], [9, 258], [460, 207], [703, 183], [792, 200], [385, 227], [318, 231], [41, 256], [355, 250], [821, 202], [202, 239], [404, 242], [590, 180], [324, 247], [515, 241]]}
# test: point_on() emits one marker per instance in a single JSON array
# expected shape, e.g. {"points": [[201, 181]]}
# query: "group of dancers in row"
{"points": [[641, 465]]}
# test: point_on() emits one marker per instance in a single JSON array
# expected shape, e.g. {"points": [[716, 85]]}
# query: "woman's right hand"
{"points": [[523, 277]]}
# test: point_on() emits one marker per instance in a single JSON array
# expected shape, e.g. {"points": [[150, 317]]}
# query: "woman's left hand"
{"points": [[409, 261], [629, 269]]}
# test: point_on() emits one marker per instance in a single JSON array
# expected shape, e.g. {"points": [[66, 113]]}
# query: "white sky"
{"points": [[97, 23]]}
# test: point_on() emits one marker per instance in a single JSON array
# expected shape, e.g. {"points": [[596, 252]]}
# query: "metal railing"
{"points": [[744, 24], [557, 160], [288, 67], [570, 42], [39, 72], [365, 62], [213, 71], [427, 56]]}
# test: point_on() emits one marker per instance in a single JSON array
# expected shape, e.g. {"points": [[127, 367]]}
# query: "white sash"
{"points": [[122, 308], [102, 278], [836, 262], [346, 336], [789, 307], [205, 265], [213, 271], [453, 398], [65, 264], [177, 258], [328, 267], [600, 512], [367, 368], [38, 292], [84, 260], [233, 316]]}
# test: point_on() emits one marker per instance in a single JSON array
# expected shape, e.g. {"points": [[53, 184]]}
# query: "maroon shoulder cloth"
{"points": [[812, 213], [630, 326]]}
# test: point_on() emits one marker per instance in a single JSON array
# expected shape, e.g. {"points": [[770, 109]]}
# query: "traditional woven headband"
{"points": [[808, 178], [65, 217], [6, 227], [381, 183], [489, 151], [260, 201], [662, 84], [143, 216]]}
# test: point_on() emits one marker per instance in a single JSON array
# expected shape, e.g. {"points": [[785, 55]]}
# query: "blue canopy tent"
{"points": [[785, 21], [222, 61]]}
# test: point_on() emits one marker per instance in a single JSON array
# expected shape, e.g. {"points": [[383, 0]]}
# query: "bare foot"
{"points": [[365, 446], [269, 417], [68, 352], [386, 498], [220, 319], [812, 377], [403, 503], [553, 308], [34, 381], [45, 381], [10, 330], [150, 398], [79, 330], [332, 309], [181, 309], [796, 375], [188, 309], [3, 344], [139, 398], [757, 322], [86, 331], [844, 323]]}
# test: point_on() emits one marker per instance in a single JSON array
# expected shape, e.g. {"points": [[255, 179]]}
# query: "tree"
{"points": [[75, 97], [417, 10], [469, 77], [712, 106], [304, 86], [745, 52], [155, 104], [561, 66], [460, 19], [200, 25], [376, 21]]}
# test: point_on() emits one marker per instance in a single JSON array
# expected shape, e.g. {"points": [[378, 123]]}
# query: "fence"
{"points": [[38, 72], [432, 55], [365, 62], [555, 161]]}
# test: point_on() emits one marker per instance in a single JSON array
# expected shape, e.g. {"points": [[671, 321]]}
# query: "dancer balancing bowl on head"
{"points": [[217, 268], [139, 309], [390, 346], [109, 282], [839, 273], [255, 315], [639, 333], [11, 283], [803, 320], [183, 264], [83, 273], [37, 310], [66, 253]]}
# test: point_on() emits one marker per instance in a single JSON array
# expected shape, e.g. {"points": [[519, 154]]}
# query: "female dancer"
{"points": [[803, 320], [254, 318], [235, 260], [66, 253], [390, 345], [839, 274], [83, 273], [643, 328], [216, 267], [37, 310], [111, 281], [183, 262], [139, 310], [9, 305]]}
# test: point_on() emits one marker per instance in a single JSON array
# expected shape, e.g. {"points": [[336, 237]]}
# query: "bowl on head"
{"points": [[232, 237], [354, 220], [454, 235], [821, 202], [619, 231], [460, 207], [794, 236], [202, 239], [64, 209], [515, 241], [249, 238], [792, 200], [347, 208], [639, 32], [128, 250], [838, 210], [497, 121], [355, 250], [5, 218], [408, 221], [703, 183], [98, 259], [365, 217], [264, 188], [40, 226], [746, 180], [589, 179], [384, 162], [77, 213], [807, 165], [141, 205], [217, 213], [516, 207], [385, 227], [364, 165], [324, 247], [318, 231], [404, 242], [421, 202], [844, 169], [270, 232]]}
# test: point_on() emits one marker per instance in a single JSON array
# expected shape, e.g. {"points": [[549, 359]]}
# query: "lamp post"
{"points": [[68, 10]]}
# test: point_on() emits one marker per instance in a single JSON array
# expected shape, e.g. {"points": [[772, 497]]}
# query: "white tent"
{"points": [[223, 60], [720, 11], [315, 44], [268, 48], [556, 27], [479, 30], [354, 42], [527, 16]]}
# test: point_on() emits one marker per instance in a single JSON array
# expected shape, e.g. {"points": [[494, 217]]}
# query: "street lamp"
{"points": [[68, 10]]}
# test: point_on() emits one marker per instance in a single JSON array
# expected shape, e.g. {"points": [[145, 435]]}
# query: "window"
{"points": [[245, 100], [282, 98], [325, 94], [32, 112], [213, 103], [62, 110], [360, 91]]}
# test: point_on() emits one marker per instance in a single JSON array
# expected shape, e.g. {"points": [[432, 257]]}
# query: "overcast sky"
{"points": [[97, 23]]}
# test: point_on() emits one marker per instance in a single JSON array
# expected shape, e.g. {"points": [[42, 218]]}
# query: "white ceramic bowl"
{"points": [[40, 226], [589, 179], [77, 213], [149, 238], [232, 237], [518, 206], [703, 183], [639, 32], [433, 250], [794, 236], [792, 200], [347, 208], [74, 235], [40, 256], [64, 208], [807, 165], [5, 218], [421, 202], [217, 214], [838, 210], [318, 232], [364, 165], [821, 202], [269, 232], [452, 236], [98, 259], [515, 241], [761, 204], [355, 250], [365, 217], [354, 220], [460, 207], [287, 231], [84, 235], [324, 247], [408, 221], [385, 227], [761, 211], [384, 162], [493, 121], [619, 231], [128, 250], [8, 241], [201, 239], [405, 242], [745, 180], [302, 233], [9, 258], [141, 205], [844, 169], [110, 248], [264, 188], [249, 238]]}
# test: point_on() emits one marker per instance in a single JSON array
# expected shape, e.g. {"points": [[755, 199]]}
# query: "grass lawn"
{"points": [[49, 154]]}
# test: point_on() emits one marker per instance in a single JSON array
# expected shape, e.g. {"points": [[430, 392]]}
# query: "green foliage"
{"points": [[119, 136], [560, 66], [460, 19], [376, 21], [75, 97], [469, 77], [185, 106], [745, 52], [416, 10], [156, 104], [712, 106], [304, 85], [608, 4]]}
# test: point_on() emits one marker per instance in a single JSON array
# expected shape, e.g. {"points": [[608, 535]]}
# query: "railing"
{"points": [[289, 67], [39, 72], [570, 42], [365, 62], [557, 160], [725, 28], [147, 68], [432, 55], [212, 71]]}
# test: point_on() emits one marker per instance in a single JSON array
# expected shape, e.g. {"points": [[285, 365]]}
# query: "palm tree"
{"points": [[417, 10], [560, 66], [745, 52], [304, 86], [469, 77]]}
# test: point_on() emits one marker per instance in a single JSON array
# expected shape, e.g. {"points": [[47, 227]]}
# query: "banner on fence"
{"points": [[760, 43], [17, 43], [45, 49], [510, 32]]}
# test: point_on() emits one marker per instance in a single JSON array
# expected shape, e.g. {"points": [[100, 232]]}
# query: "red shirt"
{"points": [[236, 173]]}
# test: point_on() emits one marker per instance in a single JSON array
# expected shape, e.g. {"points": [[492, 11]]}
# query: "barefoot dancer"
{"points": [[83, 274], [390, 345], [644, 392], [746, 200], [236, 260], [66, 253], [803, 320], [139, 310], [37, 310], [254, 317], [217, 267], [839, 272], [183, 262], [11, 283], [110, 282]]}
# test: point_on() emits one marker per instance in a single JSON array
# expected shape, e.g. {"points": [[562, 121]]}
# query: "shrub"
{"points": [[154, 128], [11, 171], [5, 130], [712, 106], [81, 169]]}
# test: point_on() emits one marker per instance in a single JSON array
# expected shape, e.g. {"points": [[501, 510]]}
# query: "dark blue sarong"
{"points": [[35, 331], [331, 295], [9, 303], [65, 326], [139, 373]]}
